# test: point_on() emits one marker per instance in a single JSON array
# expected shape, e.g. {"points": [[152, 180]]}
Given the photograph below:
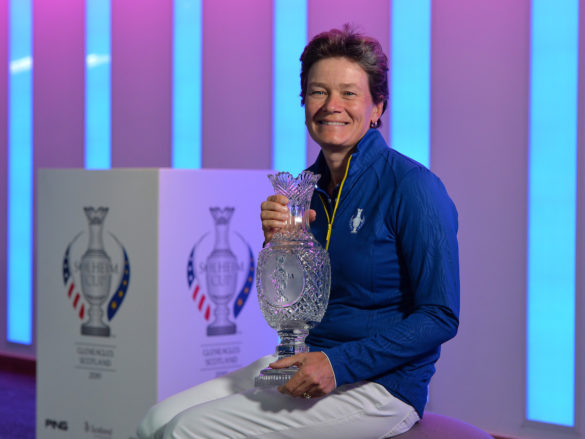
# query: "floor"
{"points": [[17, 403]]}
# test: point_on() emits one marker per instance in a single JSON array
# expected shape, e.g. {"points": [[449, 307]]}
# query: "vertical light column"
{"points": [[410, 78], [289, 149], [98, 84], [552, 212], [187, 39], [20, 174]]}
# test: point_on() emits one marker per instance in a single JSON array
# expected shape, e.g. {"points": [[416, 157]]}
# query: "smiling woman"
{"points": [[390, 229], [344, 87]]}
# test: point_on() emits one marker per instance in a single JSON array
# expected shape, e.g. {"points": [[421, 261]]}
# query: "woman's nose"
{"points": [[333, 103]]}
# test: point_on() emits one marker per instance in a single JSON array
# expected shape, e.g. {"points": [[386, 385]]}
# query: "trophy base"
{"points": [[274, 377], [221, 330], [100, 331]]}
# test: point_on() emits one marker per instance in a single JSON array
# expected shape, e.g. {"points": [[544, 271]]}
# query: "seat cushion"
{"points": [[434, 426]]}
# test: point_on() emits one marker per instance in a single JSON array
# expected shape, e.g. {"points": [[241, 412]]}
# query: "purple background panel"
{"points": [[58, 83], [237, 84], [141, 83], [479, 138]]}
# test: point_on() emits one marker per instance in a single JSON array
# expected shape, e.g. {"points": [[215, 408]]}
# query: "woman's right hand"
{"points": [[274, 213]]}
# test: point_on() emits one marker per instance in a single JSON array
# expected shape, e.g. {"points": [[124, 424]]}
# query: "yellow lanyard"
{"points": [[330, 220]]}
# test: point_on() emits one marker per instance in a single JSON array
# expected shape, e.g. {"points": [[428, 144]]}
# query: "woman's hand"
{"points": [[274, 213], [315, 377]]}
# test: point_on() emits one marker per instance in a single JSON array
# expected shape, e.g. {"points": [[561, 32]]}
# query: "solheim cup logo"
{"points": [[94, 271], [213, 270]]}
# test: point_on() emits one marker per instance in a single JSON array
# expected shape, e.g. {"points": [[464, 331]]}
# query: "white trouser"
{"points": [[230, 407]]}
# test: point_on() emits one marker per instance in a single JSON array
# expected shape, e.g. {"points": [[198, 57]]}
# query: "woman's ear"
{"points": [[377, 112]]}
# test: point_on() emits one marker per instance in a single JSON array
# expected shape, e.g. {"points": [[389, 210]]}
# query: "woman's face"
{"points": [[338, 104]]}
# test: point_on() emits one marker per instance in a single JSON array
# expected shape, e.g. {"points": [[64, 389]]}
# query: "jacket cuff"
{"points": [[339, 366], [332, 368]]}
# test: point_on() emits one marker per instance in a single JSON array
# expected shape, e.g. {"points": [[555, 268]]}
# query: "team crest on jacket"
{"points": [[357, 221]]}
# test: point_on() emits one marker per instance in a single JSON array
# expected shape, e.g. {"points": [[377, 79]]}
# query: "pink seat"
{"points": [[434, 426]]}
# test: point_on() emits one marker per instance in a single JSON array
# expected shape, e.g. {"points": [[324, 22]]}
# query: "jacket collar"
{"points": [[365, 154]]}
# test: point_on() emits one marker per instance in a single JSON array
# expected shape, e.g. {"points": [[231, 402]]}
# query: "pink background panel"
{"points": [[237, 84], [141, 83], [479, 138]]}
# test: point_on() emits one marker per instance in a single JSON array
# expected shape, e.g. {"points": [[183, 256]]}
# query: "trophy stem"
{"points": [[292, 342], [222, 324], [95, 325], [296, 226]]}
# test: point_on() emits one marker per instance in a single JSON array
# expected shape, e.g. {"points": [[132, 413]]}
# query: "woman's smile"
{"points": [[331, 123]]}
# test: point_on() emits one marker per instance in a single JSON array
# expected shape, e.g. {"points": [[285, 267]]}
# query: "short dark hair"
{"points": [[347, 43]]}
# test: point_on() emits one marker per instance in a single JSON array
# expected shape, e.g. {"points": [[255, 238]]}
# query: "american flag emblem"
{"points": [[73, 293], [199, 299]]}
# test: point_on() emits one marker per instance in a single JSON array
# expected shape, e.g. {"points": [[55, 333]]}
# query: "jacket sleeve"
{"points": [[424, 220]]}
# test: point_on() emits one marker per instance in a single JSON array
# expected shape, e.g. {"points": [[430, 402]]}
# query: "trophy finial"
{"points": [[96, 215], [222, 216]]}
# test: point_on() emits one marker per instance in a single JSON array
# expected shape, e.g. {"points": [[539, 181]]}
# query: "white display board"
{"points": [[145, 287]]}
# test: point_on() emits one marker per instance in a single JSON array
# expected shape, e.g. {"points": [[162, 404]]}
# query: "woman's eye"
{"points": [[317, 92]]}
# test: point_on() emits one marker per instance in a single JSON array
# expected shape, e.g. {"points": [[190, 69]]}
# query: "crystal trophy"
{"points": [[96, 273], [222, 273], [294, 276]]}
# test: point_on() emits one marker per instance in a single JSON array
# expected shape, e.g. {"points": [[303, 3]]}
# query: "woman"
{"points": [[390, 229]]}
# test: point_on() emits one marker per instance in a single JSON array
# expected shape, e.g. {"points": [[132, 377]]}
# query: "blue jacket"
{"points": [[395, 271]]}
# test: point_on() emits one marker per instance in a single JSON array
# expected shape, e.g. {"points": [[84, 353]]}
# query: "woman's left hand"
{"points": [[315, 377]]}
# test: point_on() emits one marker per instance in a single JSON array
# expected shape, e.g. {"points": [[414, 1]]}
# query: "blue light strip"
{"points": [[98, 84], [410, 81], [20, 174], [552, 212], [289, 142], [187, 79]]}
